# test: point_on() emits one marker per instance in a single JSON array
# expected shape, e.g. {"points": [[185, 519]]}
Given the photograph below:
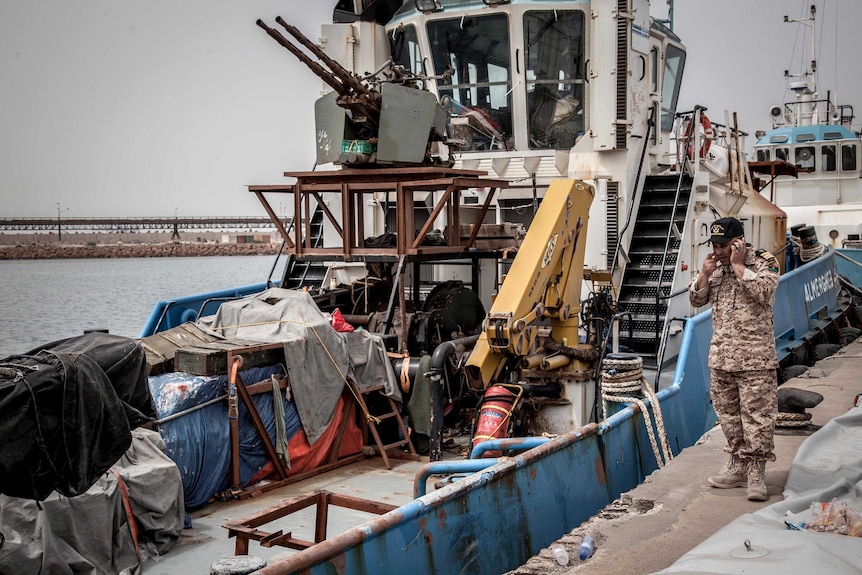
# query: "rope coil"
{"points": [[806, 254], [622, 381], [786, 419]]}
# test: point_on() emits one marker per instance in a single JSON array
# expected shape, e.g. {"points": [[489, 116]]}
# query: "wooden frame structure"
{"points": [[353, 186], [246, 529], [239, 391]]}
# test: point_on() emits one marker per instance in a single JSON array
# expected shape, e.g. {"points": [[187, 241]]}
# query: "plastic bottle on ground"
{"points": [[585, 551], [561, 555]]}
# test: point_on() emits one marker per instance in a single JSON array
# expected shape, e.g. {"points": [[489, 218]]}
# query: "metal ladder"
{"points": [[372, 421]]}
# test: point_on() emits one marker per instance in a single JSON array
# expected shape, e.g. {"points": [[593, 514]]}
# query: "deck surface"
{"points": [[207, 541]]}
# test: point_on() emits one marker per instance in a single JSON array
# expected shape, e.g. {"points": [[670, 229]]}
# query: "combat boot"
{"points": [[733, 475], [757, 480]]}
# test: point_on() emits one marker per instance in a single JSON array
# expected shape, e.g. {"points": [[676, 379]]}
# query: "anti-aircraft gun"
{"points": [[372, 120]]}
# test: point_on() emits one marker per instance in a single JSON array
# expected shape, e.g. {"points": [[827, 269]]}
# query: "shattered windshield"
{"points": [[477, 88], [404, 47]]}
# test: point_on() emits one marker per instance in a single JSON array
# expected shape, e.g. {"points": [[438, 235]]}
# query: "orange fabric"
{"points": [[127, 505], [305, 457]]}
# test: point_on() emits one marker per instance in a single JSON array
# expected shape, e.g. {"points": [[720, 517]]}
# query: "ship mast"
{"points": [[805, 109]]}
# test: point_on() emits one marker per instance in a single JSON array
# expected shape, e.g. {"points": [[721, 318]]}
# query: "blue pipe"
{"points": [[444, 467], [517, 444]]}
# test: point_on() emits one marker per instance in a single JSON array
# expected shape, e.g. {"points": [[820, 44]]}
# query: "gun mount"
{"points": [[381, 119]]}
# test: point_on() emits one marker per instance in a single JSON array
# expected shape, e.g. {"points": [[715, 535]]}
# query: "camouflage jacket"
{"points": [[742, 319]]}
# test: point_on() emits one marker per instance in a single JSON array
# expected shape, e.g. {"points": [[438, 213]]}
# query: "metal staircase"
{"points": [[653, 260], [307, 273]]}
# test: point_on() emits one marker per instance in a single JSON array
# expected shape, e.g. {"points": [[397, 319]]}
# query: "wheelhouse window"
{"points": [[763, 155], [404, 46], [671, 82], [554, 65], [473, 53], [653, 74], [848, 158], [827, 158], [805, 158], [782, 154], [653, 87]]}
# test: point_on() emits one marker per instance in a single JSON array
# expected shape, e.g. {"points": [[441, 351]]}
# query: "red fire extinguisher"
{"points": [[495, 413]]}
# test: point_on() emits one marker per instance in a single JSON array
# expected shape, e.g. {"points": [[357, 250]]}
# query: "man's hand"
{"points": [[737, 253], [709, 265]]}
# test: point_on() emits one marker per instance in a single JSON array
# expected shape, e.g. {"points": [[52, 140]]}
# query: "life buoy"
{"points": [[705, 138]]}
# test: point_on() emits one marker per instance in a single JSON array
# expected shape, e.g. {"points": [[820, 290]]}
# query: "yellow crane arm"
{"points": [[544, 281]]}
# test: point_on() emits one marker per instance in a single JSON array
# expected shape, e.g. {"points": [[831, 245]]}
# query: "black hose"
{"points": [[438, 366]]}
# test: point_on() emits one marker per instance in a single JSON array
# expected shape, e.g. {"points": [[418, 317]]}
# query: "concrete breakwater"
{"points": [[142, 250]]}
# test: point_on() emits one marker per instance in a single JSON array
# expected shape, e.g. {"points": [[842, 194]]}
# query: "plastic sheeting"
{"points": [[827, 465], [66, 411], [318, 358], [199, 441], [92, 533]]}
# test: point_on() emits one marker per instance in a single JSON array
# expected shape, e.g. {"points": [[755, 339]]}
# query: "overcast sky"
{"points": [[122, 108]]}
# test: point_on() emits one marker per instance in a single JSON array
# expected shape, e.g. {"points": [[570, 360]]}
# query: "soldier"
{"points": [[740, 284]]}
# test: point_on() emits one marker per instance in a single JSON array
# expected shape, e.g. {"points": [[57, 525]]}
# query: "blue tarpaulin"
{"points": [[199, 441]]}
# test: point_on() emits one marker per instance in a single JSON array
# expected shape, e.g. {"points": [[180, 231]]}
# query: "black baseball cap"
{"points": [[724, 230]]}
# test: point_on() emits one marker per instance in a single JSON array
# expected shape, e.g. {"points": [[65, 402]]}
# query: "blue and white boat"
{"points": [[810, 159]]}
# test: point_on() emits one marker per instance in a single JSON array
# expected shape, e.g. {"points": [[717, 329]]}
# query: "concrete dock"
{"points": [[675, 509]]}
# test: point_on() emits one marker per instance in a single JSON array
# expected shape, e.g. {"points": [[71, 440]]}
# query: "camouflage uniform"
{"points": [[742, 359]]}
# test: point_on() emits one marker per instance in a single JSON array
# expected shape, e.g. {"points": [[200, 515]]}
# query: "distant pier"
{"points": [[141, 250], [63, 238], [95, 225]]}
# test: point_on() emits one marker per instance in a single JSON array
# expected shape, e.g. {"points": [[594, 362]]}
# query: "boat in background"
{"points": [[811, 156]]}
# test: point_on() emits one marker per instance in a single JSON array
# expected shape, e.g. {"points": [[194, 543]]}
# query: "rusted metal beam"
{"points": [[275, 219]]}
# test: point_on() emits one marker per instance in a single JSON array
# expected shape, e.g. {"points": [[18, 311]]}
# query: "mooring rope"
{"points": [[623, 382], [787, 419], [806, 254]]}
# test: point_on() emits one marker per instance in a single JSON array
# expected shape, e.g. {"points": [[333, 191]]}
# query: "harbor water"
{"points": [[46, 300]]}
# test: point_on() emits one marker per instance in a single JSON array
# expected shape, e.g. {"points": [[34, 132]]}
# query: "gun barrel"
{"points": [[338, 70], [334, 82]]}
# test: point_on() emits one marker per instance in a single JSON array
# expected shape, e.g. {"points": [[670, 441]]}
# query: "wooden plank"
{"points": [[259, 426]]}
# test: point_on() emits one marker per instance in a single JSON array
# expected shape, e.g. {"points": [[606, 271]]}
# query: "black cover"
{"points": [[66, 413]]}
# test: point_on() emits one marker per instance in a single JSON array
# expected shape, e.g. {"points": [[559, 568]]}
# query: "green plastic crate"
{"points": [[358, 146]]}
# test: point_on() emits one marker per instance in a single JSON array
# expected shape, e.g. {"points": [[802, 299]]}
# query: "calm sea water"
{"points": [[45, 300]]}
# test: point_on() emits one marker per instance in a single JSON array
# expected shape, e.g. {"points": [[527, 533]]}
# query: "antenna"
{"points": [[811, 23]]}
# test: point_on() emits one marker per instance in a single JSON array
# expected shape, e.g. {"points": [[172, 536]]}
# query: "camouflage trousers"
{"points": [[746, 403]]}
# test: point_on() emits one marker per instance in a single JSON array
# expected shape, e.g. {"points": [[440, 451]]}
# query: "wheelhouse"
{"points": [[824, 150], [519, 79]]}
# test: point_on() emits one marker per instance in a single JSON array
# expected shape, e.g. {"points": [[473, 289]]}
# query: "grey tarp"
{"points": [[90, 534], [827, 465], [369, 365], [318, 358]]}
